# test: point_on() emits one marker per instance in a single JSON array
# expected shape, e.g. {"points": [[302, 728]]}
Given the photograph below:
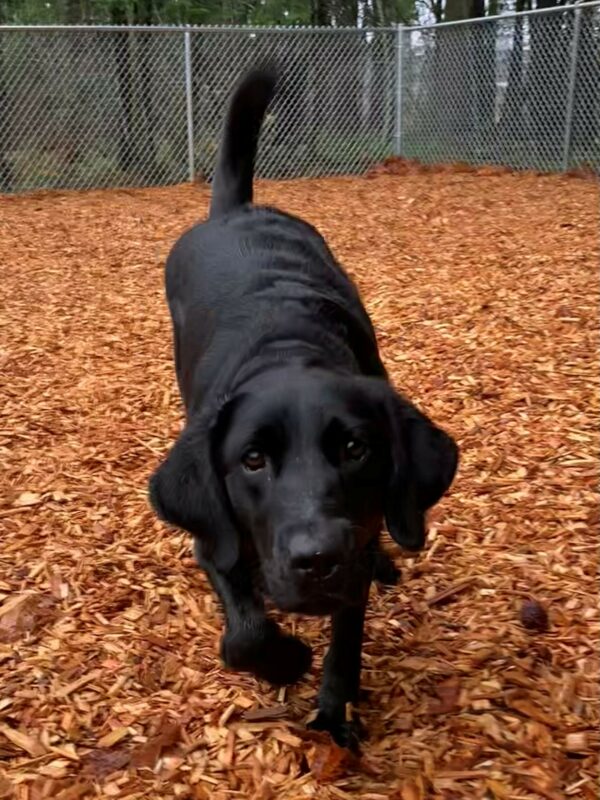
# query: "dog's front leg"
{"points": [[341, 677], [252, 642]]}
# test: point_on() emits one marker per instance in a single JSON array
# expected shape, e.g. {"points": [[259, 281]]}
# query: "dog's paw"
{"points": [[267, 653], [285, 661], [344, 732], [385, 572]]}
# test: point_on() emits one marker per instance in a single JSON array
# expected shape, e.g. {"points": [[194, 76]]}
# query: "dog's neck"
{"points": [[284, 354]]}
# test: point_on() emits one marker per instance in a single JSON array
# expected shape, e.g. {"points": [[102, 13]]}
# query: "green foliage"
{"points": [[252, 12], [208, 12]]}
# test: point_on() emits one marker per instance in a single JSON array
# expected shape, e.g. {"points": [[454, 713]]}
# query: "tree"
{"points": [[547, 74], [511, 116], [118, 16], [454, 79]]}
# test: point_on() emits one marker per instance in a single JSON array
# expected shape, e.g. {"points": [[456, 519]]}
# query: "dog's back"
{"points": [[253, 273]]}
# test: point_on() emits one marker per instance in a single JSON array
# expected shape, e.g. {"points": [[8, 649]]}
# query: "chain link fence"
{"points": [[85, 108], [90, 107], [520, 90]]}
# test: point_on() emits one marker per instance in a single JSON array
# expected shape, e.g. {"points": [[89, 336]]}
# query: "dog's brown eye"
{"points": [[354, 450], [254, 460]]}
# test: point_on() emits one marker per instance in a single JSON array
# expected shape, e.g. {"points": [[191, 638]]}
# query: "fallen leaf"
{"points": [[25, 615], [148, 754], [534, 616], [97, 764], [328, 762]]}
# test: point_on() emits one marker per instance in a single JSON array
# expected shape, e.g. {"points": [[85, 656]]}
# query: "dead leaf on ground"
{"points": [[328, 762], [97, 764], [167, 735], [25, 615]]}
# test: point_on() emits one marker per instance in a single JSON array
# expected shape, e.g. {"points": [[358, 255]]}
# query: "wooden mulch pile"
{"points": [[484, 289]]}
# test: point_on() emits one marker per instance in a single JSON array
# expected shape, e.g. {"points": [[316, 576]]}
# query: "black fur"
{"points": [[295, 447]]}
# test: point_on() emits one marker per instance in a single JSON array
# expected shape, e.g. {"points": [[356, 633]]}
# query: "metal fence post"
{"points": [[571, 90], [189, 107], [398, 90]]}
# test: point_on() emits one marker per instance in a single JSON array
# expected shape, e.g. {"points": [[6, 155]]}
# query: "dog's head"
{"points": [[304, 466]]}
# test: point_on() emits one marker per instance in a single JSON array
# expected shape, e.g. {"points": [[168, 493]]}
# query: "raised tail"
{"points": [[232, 182]]}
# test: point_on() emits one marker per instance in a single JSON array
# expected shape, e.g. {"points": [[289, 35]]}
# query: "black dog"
{"points": [[295, 448]]}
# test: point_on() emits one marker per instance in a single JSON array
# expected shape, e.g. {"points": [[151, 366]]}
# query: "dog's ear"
{"points": [[187, 490], [424, 461]]}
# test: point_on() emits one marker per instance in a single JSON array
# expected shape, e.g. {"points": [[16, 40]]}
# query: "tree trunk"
{"points": [[454, 82], [547, 77], [457, 10], [118, 16], [73, 12], [511, 115], [70, 147], [145, 146], [482, 54], [319, 14]]}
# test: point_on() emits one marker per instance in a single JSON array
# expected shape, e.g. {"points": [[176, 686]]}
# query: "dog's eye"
{"points": [[253, 460], [354, 450]]}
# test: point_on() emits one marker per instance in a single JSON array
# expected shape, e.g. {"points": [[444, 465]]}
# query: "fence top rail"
{"points": [[282, 29], [506, 15], [256, 29]]}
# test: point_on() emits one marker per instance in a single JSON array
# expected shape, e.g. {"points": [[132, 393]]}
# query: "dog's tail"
{"points": [[232, 182]]}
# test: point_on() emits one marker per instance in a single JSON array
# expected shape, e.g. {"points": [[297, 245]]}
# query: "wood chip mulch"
{"points": [[480, 668]]}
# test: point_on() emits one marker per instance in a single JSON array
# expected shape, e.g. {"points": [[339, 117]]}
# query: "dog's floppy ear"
{"points": [[424, 462], [187, 491]]}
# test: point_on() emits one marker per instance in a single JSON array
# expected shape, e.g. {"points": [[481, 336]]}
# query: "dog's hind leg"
{"points": [[252, 642]]}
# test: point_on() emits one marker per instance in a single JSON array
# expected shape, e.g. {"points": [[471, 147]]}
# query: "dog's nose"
{"points": [[318, 561]]}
